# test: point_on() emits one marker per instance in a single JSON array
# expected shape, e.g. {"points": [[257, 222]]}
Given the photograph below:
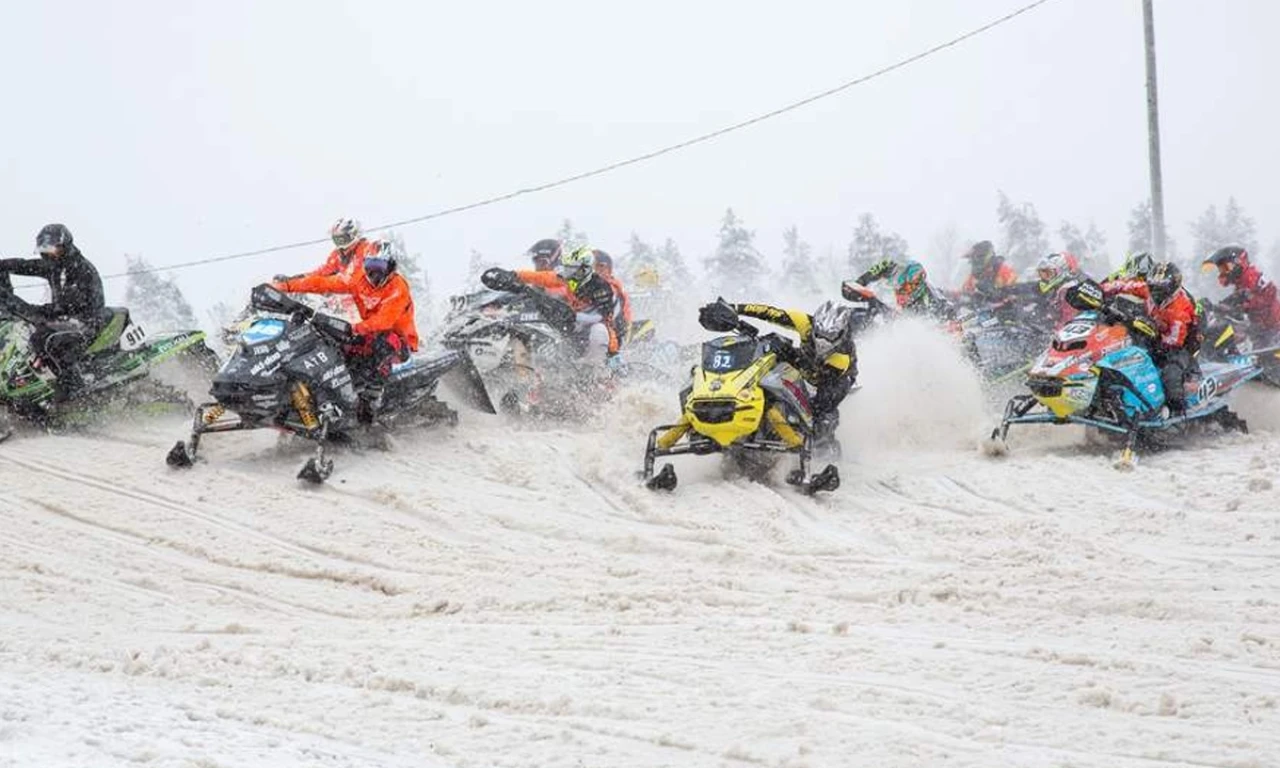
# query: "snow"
{"points": [[506, 595]]}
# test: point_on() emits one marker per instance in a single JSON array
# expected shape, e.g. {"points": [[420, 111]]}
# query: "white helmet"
{"points": [[832, 324], [345, 233]]}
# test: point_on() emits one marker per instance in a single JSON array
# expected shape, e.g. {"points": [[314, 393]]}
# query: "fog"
{"points": [[184, 130]]}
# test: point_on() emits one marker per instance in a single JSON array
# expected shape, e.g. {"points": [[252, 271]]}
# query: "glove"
{"points": [[1144, 326], [303, 314], [882, 268], [499, 279], [719, 316]]}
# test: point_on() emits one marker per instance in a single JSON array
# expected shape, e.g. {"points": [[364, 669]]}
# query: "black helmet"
{"points": [[1230, 262], [53, 240], [1164, 281], [981, 252], [602, 259], [382, 262], [546, 254]]}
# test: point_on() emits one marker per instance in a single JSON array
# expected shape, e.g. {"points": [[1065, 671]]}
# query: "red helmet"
{"points": [[1231, 263]]}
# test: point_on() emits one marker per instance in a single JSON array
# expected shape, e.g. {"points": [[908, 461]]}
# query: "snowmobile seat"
{"points": [[114, 320]]}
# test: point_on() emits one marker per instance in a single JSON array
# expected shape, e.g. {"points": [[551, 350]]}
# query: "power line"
{"points": [[619, 164]]}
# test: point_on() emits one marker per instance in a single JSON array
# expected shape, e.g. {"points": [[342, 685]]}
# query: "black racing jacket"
{"points": [[74, 284]]}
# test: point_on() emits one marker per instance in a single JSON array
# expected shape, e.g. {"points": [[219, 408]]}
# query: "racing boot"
{"points": [[826, 445], [369, 403]]}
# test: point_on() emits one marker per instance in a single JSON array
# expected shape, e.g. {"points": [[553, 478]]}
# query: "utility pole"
{"points": [[1153, 135]]}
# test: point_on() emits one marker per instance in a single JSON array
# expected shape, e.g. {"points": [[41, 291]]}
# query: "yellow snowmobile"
{"points": [[748, 401]]}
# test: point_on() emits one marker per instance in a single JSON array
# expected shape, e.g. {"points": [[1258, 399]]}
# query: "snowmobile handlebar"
{"points": [[268, 298]]}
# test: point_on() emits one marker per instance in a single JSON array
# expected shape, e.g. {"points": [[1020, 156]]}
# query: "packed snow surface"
{"points": [[507, 595]]}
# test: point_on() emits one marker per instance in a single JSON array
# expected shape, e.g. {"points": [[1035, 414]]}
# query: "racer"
{"points": [[828, 357], [386, 333], [75, 313], [1251, 293]]}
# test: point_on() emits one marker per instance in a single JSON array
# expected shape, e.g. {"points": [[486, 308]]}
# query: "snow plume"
{"points": [[918, 391]]}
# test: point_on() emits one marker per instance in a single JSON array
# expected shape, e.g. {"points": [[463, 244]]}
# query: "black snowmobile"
{"points": [[289, 373]]}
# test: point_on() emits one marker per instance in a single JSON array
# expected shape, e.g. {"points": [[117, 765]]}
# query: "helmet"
{"points": [[832, 324], [603, 262], [53, 240], [647, 278], [910, 284], [1053, 271], [1230, 262], [345, 233], [1164, 281], [575, 267], [545, 254], [1137, 265], [981, 254], [381, 262]]}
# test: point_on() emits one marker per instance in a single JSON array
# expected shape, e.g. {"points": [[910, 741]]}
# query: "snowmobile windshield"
{"points": [[262, 330], [719, 357]]}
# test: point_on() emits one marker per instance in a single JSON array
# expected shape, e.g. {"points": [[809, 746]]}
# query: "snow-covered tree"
{"points": [[1089, 246], [1210, 232], [943, 258], [571, 237], [1238, 228], [1024, 241], [476, 265], [736, 268], [639, 254], [870, 245], [410, 266], [1142, 232], [155, 301], [1140, 228], [669, 256], [798, 269]]}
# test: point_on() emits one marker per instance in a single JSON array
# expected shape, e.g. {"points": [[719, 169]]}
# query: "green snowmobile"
{"points": [[121, 354]]}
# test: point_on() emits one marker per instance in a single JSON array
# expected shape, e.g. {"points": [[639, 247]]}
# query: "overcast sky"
{"points": [[177, 129]]}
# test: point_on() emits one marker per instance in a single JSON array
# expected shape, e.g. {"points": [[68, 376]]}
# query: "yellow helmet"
{"points": [[647, 278]]}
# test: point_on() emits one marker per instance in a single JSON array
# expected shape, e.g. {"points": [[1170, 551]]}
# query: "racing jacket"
{"points": [[839, 362]]}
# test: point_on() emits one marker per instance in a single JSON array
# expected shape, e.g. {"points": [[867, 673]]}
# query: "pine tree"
{"points": [[1207, 233], [476, 265], [1088, 246], [669, 255], [572, 238], [410, 267], [156, 302], [1237, 228], [736, 267], [798, 278], [639, 254], [1142, 232], [1024, 239], [944, 252], [870, 245], [1140, 228]]}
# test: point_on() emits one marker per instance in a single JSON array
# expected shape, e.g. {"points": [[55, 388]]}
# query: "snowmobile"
{"points": [[1227, 335], [289, 373], [1002, 342], [118, 361], [747, 400], [1096, 374], [523, 344]]}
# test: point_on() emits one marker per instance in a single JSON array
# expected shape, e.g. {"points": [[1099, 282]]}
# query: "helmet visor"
{"points": [[49, 249], [377, 269], [343, 239]]}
